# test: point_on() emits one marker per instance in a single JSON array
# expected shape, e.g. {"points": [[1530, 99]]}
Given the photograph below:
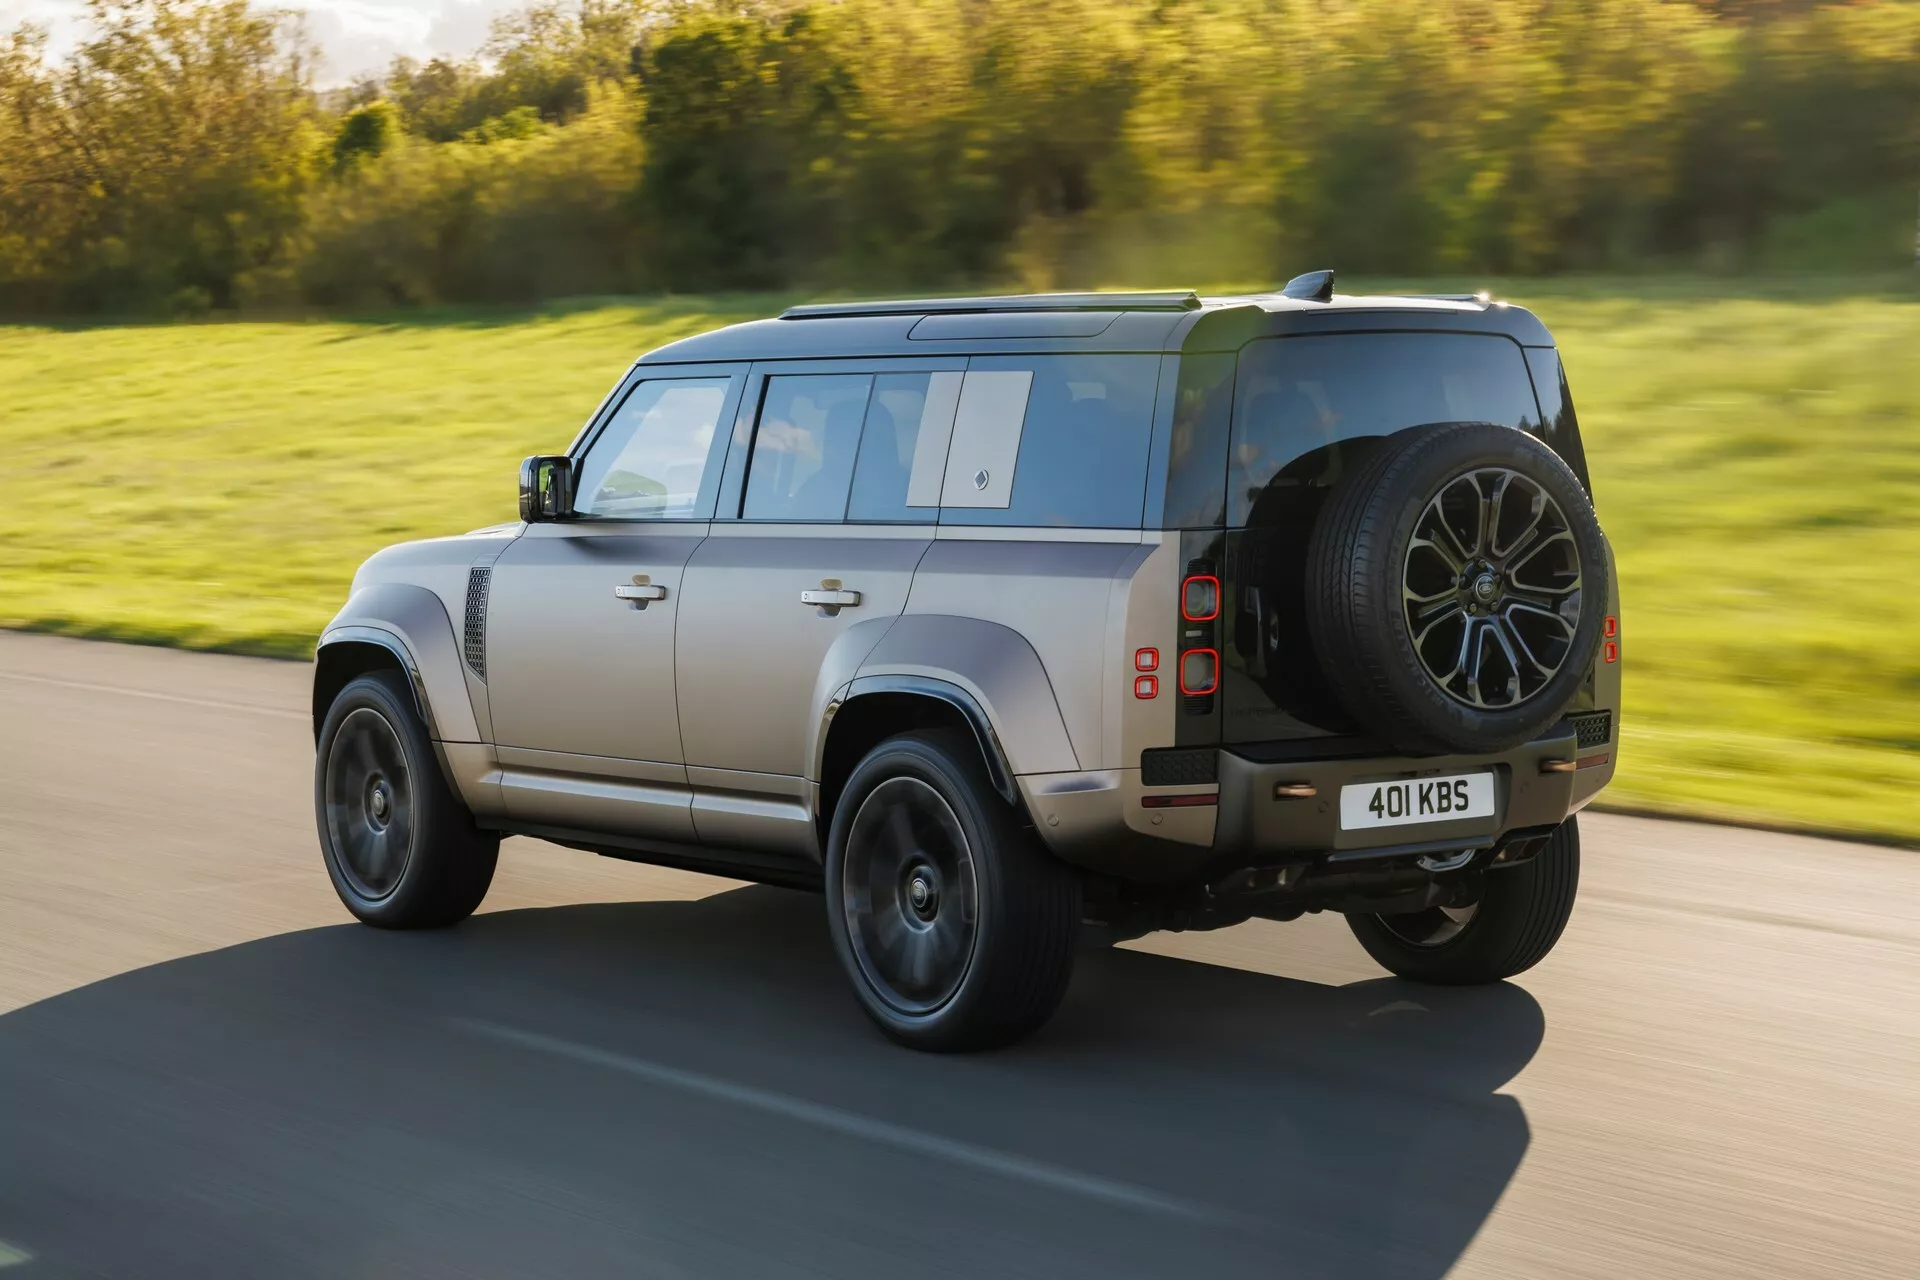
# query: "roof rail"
{"points": [[1165, 300]]}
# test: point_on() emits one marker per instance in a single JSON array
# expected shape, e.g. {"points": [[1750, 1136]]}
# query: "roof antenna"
{"points": [[1314, 286]]}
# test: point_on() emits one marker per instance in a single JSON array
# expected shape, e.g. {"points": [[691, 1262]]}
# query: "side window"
{"points": [[805, 447], [1197, 448], [1052, 440], [903, 448], [652, 460]]}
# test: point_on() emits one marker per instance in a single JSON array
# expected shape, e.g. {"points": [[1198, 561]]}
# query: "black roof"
{"points": [[1170, 321]]}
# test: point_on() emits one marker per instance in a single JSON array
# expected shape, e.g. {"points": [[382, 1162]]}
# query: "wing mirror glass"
{"points": [[546, 488]]}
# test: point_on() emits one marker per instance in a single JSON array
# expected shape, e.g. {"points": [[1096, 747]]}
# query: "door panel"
{"points": [[575, 668], [750, 651]]}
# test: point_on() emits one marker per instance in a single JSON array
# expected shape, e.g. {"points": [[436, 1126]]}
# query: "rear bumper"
{"points": [[1263, 809]]}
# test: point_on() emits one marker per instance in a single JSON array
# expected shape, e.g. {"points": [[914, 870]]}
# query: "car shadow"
{"points": [[687, 1089]]}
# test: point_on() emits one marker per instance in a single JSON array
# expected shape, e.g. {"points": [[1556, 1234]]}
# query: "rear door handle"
{"points": [[830, 598]]}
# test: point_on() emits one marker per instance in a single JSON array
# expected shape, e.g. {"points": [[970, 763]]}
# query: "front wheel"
{"points": [[401, 849], [1513, 926], [955, 925]]}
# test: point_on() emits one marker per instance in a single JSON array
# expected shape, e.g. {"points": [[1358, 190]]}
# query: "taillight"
{"points": [[1146, 686], [1610, 651], [1146, 659], [1199, 671], [1200, 598]]}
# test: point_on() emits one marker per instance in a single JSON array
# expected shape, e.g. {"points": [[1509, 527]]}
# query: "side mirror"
{"points": [[546, 488]]}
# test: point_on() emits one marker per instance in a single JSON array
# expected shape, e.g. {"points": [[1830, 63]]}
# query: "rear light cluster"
{"points": [[1610, 650], [1197, 662], [1199, 670]]}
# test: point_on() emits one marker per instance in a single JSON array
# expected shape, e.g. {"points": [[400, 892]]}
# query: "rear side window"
{"points": [[1300, 403], [903, 450], [1051, 440], [804, 451]]}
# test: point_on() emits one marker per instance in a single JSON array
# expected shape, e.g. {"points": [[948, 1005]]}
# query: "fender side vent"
{"points": [[1593, 729], [1179, 767], [475, 639]]}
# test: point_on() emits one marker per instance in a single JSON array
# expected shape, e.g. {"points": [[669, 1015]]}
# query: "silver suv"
{"points": [[998, 617]]}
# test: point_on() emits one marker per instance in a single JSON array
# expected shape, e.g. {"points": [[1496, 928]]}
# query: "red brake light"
{"points": [[1199, 671], [1611, 651], [1200, 598], [1146, 686], [1146, 659], [1612, 628]]}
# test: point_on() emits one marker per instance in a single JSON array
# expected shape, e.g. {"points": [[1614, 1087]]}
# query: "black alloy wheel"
{"points": [[1521, 913], [369, 803], [1457, 587], [911, 903], [1491, 588], [402, 851], [955, 925], [1433, 927]]}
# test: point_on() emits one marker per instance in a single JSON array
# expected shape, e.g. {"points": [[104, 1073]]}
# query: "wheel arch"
{"points": [[409, 624], [347, 653], [874, 708]]}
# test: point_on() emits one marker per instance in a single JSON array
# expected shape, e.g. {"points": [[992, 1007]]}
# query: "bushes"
{"points": [[513, 217], [626, 145]]}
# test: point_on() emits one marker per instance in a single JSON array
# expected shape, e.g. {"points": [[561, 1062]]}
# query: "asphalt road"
{"points": [[207, 1070]]}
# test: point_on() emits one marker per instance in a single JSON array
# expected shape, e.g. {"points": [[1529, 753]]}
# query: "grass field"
{"points": [[1755, 451]]}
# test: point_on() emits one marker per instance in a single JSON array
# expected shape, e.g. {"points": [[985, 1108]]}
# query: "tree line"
{"points": [[181, 157]]}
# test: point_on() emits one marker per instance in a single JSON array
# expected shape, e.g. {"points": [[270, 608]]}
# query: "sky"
{"points": [[355, 36]]}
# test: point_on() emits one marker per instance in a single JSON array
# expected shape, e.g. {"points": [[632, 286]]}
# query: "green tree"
{"points": [[164, 161]]}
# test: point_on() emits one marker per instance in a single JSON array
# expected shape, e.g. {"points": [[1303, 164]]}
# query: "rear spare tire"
{"points": [[1456, 584]]}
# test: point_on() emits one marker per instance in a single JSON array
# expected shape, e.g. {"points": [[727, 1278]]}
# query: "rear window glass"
{"points": [[1298, 400], [1079, 449]]}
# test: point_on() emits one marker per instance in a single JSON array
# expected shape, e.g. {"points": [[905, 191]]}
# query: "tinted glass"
{"points": [[1560, 427], [650, 462], [1297, 400], [1082, 459], [1197, 453], [896, 429], [804, 449]]}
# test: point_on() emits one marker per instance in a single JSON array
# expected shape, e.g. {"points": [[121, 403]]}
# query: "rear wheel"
{"points": [[956, 927], [1510, 929], [401, 849]]}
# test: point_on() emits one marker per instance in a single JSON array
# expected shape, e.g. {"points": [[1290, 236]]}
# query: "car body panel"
{"points": [[416, 616], [751, 653], [1053, 593], [995, 666], [571, 667]]}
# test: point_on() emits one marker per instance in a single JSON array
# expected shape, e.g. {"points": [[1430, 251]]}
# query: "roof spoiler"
{"points": [[1164, 300]]}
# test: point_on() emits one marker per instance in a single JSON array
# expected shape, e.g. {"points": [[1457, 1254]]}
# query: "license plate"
{"points": [[1397, 804]]}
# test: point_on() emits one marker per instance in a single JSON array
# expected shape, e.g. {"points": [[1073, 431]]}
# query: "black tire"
{"points": [[1519, 917], [401, 849], [998, 932], [1394, 529]]}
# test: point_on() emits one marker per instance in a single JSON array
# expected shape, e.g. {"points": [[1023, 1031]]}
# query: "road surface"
{"points": [[207, 1070]]}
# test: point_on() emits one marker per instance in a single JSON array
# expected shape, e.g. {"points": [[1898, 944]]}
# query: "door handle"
{"points": [[830, 598], [639, 593]]}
